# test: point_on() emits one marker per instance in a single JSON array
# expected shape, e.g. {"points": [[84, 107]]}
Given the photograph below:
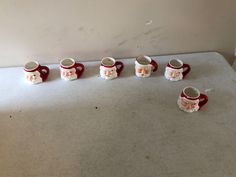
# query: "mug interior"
{"points": [[31, 65], [67, 62], [191, 92], [144, 60], [108, 61], [176, 63]]}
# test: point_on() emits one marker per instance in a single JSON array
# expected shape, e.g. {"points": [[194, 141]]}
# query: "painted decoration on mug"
{"points": [[108, 73], [143, 71], [68, 74], [174, 74], [33, 77], [188, 105]]}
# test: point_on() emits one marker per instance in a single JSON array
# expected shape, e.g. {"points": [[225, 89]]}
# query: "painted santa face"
{"points": [[108, 73], [68, 74], [143, 71], [188, 105], [33, 77], [174, 74]]}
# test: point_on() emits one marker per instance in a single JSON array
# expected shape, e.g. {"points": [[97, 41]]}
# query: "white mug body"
{"points": [[143, 70], [108, 73], [33, 77], [173, 74], [188, 105], [68, 74]]}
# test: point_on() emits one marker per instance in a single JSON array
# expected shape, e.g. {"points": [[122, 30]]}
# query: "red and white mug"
{"points": [[70, 69], [35, 73], [144, 66], [191, 99], [176, 70], [110, 68]]}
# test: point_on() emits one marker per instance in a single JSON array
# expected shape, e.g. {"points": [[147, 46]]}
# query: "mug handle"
{"points": [[155, 65], [80, 71], [44, 70], [202, 100], [119, 69], [188, 69]]}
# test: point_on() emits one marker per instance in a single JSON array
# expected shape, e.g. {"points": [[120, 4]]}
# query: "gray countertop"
{"points": [[127, 127]]}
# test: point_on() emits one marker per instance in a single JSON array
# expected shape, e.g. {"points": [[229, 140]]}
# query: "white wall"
{"points": [[48, 30]]}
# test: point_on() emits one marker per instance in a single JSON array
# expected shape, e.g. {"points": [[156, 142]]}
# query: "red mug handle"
{"points": [[187, 69], [119, 69], [44, 70], [80, 71], [155, 65], [203, 99]]}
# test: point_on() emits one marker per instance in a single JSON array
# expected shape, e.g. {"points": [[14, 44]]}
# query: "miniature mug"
{"points": [[176, 70], [110, 68], [35, 73], [191, 99], [144, 66], [70, 70]]}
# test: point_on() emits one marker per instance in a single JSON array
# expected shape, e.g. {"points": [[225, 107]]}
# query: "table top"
{"points": [[126, 127]]}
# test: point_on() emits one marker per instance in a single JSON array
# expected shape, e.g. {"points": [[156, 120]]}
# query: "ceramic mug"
{"points": [[144, 66], [110, 68], [191, 99], [176, 70], [70, 70], [35, 73]]}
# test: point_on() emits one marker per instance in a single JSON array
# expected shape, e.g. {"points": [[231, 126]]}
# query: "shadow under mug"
{"points": [[35, 73], [191, 99], [144, 66], [110, 68], [70, 69], [176, 70]]}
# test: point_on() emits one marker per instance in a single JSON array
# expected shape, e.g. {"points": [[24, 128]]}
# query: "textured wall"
{"points": [[48, 30]]}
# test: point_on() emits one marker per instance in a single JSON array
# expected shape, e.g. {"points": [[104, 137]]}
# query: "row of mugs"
{"points": [[189, 100], [109, 69]]}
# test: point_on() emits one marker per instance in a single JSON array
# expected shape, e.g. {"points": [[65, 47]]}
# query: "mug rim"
{"points": [[105, 65], [31, 69], [146, 57], [191, 97], [67, 66], [180, 61]]}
